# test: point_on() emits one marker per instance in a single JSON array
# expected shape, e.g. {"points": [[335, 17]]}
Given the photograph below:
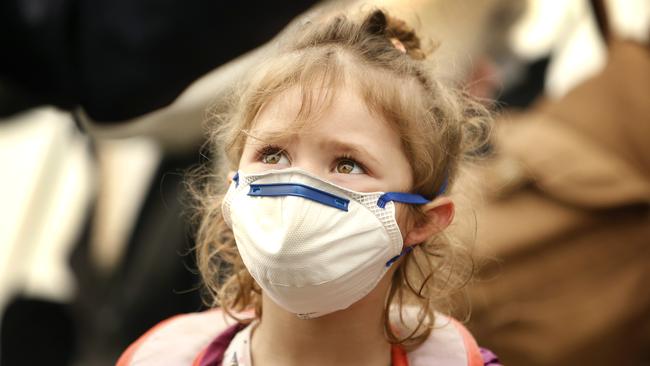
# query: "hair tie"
{"points": [[398, 44]]}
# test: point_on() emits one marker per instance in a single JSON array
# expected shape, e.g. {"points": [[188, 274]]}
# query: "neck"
{"points": [[353, 336]]}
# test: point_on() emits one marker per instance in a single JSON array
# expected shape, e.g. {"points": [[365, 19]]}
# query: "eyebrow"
{"points": [[266, 137]]}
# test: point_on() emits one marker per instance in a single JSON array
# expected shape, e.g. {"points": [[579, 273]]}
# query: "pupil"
{"points": [[271, 159], [345, 167]]}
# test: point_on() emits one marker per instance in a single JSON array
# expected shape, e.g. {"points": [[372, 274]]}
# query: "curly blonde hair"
{"points": [[439, 128]]}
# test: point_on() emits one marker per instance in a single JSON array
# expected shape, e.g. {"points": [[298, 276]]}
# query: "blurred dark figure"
{"points": [[55, 339], [119, 59], [567, 224]]}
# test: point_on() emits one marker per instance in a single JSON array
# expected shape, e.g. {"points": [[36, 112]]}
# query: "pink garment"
{"points": [[201, 339]]}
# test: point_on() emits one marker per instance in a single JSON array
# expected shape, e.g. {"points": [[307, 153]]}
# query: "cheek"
{"points": [[247, 158]]}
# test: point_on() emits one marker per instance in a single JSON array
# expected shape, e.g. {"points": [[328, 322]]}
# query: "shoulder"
{"points": [[450, 343], [177, 340]]}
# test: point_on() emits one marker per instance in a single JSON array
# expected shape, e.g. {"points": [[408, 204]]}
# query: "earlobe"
{"points": [[439, 214], [231, 175]]}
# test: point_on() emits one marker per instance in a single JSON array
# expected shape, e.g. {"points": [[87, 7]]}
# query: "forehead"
{"points": [[326, 111]]}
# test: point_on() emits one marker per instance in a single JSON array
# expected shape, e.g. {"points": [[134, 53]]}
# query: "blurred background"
{"points": [[101, 111]]}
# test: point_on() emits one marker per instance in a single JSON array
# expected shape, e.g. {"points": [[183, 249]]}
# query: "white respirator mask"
{"points": [[312, 246]]}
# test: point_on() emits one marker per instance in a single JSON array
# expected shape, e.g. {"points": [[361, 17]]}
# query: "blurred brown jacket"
{"points": [[566, 221]]}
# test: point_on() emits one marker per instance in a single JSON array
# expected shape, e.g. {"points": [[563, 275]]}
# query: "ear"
{"points": [[439, 214]]}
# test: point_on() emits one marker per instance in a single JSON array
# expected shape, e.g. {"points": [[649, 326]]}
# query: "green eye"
{"points": [[271, 158], [273, 155], [347, 166]]}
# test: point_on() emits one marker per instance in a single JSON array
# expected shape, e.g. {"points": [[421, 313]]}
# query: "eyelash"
{"points": [[352, 159], [269, 150], [275, 149]]}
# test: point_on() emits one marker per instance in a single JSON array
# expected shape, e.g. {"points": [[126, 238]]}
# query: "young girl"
{"points": [[329, 246]]}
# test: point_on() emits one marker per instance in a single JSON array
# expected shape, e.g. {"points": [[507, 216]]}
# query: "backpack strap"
{"points": [[178, 340], [213, 354], [473, 352], [449, 344], [126, 357]]}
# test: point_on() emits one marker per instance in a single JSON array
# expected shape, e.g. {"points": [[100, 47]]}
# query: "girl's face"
{"points": [[347, 146]]}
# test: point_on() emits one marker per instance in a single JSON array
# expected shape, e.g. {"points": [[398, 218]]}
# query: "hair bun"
{"points": [[378, 23], [397, 28], [375, 23]]}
